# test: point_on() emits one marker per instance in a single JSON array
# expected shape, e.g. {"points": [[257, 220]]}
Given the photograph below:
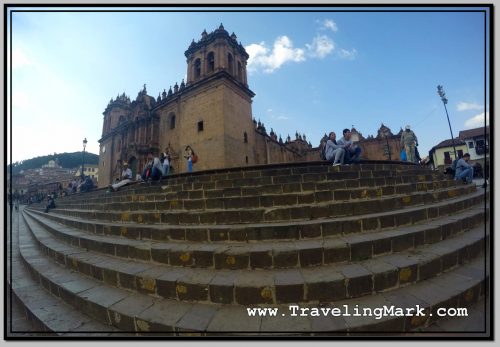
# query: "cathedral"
{"points": [[211, 112]]}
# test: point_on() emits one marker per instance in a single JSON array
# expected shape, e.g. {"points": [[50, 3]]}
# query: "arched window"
{"points": [[197, 68], [240, 71], [230, 63], [172, 121], [210, 62], [245, 137]]}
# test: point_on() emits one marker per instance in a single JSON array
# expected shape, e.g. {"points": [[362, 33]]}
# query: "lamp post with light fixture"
{"points": [[83, 157], [442, 94]]}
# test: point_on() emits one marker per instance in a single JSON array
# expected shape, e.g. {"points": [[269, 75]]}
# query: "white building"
{"points": [[477, 142]]}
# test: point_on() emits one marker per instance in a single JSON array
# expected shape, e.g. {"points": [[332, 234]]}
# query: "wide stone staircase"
{"points": [[198, 253]]}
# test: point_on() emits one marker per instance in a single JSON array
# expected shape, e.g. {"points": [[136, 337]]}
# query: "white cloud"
{"points": [[465, 106], [321, 46], [269, 110], [282, 52], [346, 54], [477, 121], [20, 59], [328, 24], [282, 118]]}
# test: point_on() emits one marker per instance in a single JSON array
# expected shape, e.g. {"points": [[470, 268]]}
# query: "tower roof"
{"points": [[206, 39]]}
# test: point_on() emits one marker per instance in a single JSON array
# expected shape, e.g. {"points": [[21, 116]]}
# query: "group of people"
{"points": [[343, 151], [85, 184], [154, 169]]}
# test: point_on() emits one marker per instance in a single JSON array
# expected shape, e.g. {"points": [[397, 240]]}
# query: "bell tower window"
{"points": [[240, 71], [197, 68], [210, 62], [172, 121], [230, 63]]}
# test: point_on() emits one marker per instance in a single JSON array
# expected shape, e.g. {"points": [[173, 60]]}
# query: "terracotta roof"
{"points": [[449, 143], [477, 132]]}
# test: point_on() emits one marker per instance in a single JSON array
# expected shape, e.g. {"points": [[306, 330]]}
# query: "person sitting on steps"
{"points": [[464, 171], [126, 178], [352, 151], [334, 152], [50, 203], [153, 169]]}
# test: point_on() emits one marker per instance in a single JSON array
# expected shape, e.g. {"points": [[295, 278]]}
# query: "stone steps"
{"points": [[272, 285], [48, 315], [269, 254], [129, 311], [305, 229], [270, 186], [305, 172], [245, 198], [189, 254], [268, 214]]}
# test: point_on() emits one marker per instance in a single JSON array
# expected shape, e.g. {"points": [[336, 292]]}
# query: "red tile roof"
{"points": [[471, 133], [448, 143]]}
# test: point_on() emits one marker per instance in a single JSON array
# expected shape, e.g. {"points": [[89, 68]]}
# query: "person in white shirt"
{"points": [[352, 151], [334, 152], [126, 178], [166, 163]]}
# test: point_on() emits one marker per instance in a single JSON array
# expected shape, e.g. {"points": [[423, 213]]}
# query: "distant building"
{"points": [[91, 170], [477, 141], [42, 181], [212, 113], [385, 146], [443, 154]]}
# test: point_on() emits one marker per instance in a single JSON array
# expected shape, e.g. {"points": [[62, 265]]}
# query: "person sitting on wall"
{"points": [[352, 151], [126, 178], [153, 169], [87, 185], [464, 171], [334, 152]]}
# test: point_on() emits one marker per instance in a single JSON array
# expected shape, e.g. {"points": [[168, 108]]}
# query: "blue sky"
{"points": [[312, 72]]}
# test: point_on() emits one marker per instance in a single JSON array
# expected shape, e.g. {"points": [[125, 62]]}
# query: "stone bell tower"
{"points": [[215, 113]]}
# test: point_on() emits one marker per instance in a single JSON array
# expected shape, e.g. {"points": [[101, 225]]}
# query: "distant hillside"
{"points": [[66, 160]]}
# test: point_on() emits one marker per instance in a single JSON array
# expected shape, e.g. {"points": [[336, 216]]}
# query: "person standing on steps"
{"points": [[165, 162], [191, 158], [409, 142]]}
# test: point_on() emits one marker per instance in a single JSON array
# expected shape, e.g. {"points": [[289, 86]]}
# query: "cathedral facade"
{"points": [[211, 112]]}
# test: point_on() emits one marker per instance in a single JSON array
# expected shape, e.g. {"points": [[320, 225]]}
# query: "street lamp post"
{"points": [[83, 155], [442, 94]]}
